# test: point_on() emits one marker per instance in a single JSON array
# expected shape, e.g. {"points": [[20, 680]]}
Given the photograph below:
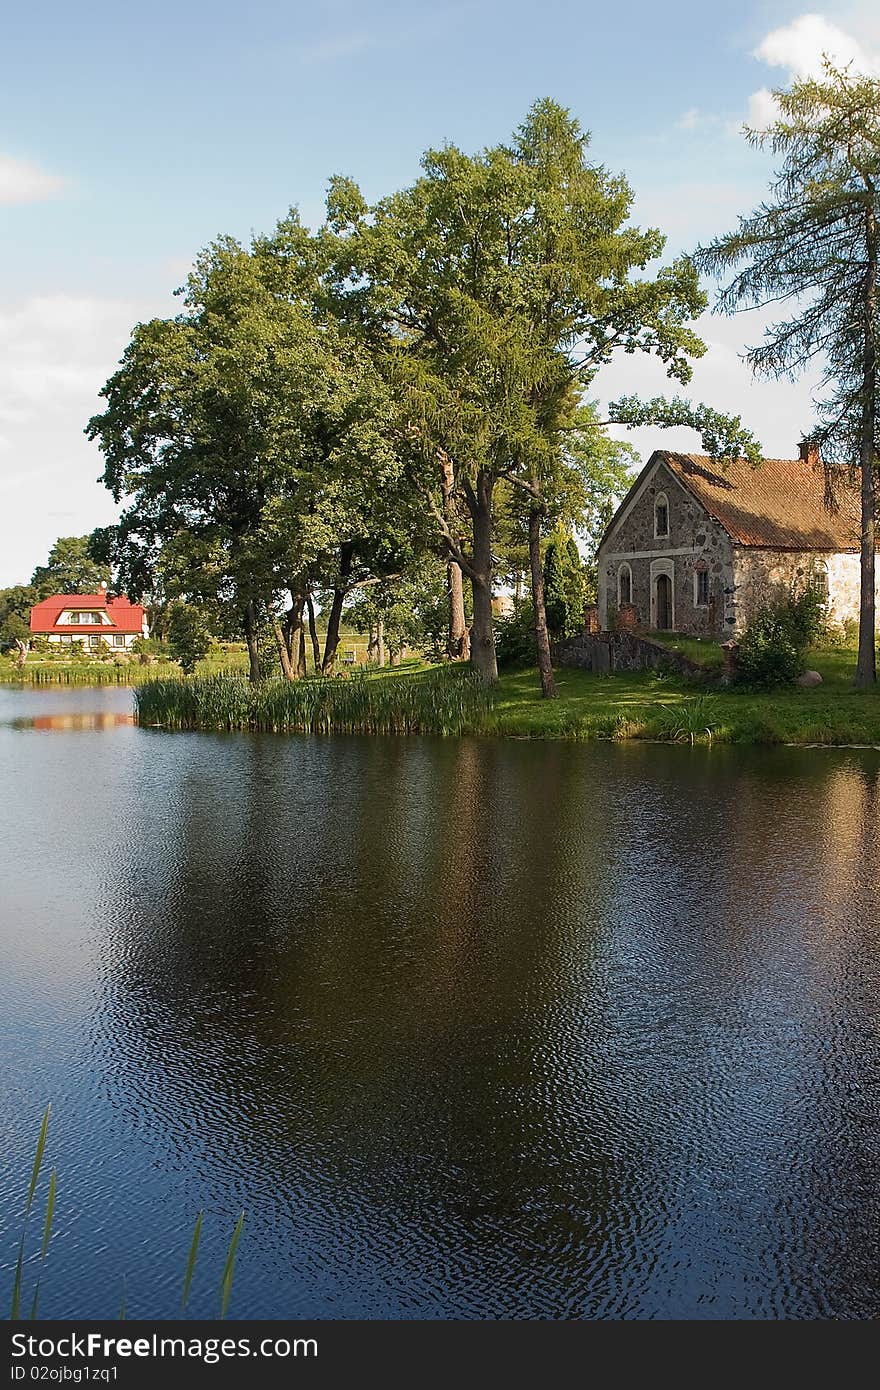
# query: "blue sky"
{"points": [[131, 135]]}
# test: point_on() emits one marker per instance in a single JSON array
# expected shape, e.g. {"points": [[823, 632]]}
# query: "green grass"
{"points": [[445, 701], [45, 669], [650, 706], [707, 654]]}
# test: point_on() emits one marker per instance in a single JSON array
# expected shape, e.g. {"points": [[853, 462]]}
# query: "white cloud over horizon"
{"points": [[56, 352], [22, 181], [799, 49]]}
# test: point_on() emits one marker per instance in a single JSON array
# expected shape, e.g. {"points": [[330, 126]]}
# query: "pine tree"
{"points": [[816, 243]]}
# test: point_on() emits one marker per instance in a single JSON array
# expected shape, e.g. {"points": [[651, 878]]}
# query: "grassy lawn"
{"points": [[649, 705]]}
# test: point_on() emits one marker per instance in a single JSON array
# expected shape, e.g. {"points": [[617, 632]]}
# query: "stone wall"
{"points": [[759, 575], [607, 652], [694, 542]]}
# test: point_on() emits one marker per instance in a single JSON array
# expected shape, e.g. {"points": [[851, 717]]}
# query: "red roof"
{"points": [[124, 616]]}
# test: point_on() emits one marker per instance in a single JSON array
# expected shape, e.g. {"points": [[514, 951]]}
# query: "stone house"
{"points": [[698, 547]]}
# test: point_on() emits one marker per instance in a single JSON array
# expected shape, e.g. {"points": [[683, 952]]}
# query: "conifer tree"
{"points": [[815, 243]]}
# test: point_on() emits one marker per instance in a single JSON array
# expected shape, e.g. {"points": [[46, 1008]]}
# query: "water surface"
{"points": [[468, 1028]]}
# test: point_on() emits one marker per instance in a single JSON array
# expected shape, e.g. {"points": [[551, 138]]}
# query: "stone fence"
{"points": [[606, 652]]}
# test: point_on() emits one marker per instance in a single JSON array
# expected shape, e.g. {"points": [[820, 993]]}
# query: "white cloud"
{"points": [[23, 182], [779, 413], [799, 49], [56, 352], [763, 109]]}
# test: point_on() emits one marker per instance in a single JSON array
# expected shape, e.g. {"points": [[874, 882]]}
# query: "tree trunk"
{"points": [[483, 657], [292, 635], [346, 555], [250, 636], [866, 666], [458, 639], [542, 639], [380, 641], [283, 650], [301, 668], [518, 588], [313, 632]]}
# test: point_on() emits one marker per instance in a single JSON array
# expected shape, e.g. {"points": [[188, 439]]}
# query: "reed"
{"points": [[18, 1279], [444, 701], [229, 1267], [35, 1173]]}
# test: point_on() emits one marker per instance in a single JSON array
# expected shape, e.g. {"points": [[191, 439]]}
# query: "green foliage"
{"points": [[771, 650], [565, 584], [515, 637], [70, 569], [15, 611], [188, 637], [412, 608], [149, 646]]}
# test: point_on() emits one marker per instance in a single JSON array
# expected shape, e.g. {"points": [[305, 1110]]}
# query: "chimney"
{"points": [[809, 451]]}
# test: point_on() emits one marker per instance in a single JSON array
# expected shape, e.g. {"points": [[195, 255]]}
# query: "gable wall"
{"points": [[694, 540]]}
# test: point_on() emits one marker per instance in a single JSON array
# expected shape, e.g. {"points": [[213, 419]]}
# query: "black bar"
{"points": [[257, 1354]]}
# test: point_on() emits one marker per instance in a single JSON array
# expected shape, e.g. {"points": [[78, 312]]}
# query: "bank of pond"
{"points": [[451, 701]]}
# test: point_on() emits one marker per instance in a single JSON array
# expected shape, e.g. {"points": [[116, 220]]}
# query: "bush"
{"points": [[515, 638], [772, 647]]}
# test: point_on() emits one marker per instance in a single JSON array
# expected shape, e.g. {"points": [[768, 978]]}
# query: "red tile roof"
{"points": [[124, 616], [780, 504]]}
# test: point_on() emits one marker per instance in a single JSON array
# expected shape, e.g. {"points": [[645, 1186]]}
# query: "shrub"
{"points": [[515, 638], [772, 647]]}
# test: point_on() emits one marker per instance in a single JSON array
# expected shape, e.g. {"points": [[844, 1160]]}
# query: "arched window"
{"points": [[819, 581], [661, 516], [624, 585]]}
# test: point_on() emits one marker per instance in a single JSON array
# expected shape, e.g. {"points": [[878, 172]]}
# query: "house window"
{"points": [[661, 517], [701, 589], [819, 581], [624, 585], [118, 640], [94, 640]]}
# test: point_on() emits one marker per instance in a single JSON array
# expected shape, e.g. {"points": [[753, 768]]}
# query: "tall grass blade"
{"points": [[19, 1264], [47, 1232], [226, 1282], [38, 1159], [191, 1262]]}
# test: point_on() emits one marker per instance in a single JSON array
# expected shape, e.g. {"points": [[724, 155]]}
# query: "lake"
{"points": [[468, 1028]]}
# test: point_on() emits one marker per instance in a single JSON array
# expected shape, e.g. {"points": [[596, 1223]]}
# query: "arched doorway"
{"points": [[663, 602]]}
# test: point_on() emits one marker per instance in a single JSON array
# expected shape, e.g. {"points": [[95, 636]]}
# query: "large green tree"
{"points": [[250, 439], [495, 288], [815, 244], [70, 569]]}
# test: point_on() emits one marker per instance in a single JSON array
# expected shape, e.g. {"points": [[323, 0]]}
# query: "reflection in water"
{"points": [[65, 723], [469, 1028]]}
